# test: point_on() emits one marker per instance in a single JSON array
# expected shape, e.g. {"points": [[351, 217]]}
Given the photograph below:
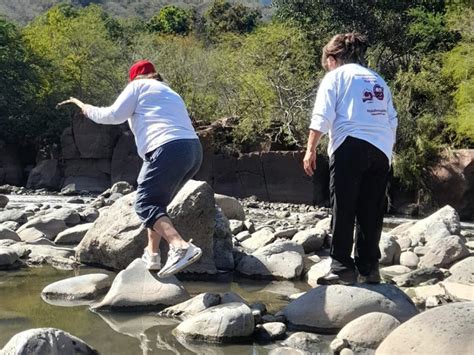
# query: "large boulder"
{"points": [[442, 330], [318, 270], [453, 182], [46, 341], [138, 288], [226, 323], [442, 223], [118, 236], [419, 276], [8, 257], [13, 215], [329, 308], [48, 226], [11, 170], [368, 331], [444, 252], [78, 287], [86, 175], [280, 260], [462, 272], [126, 163], [230, 206], [45, 174]]}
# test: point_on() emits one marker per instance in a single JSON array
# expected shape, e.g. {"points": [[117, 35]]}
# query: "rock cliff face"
{"points": [[11, 170]]}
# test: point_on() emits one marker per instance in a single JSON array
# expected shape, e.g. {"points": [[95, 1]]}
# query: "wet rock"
{"points": [[230, 206], [82, 287], [368, 331], [462, 272], [6, 233], [46, 341], [138, 288], [318, 270], [329, 308], [444, 252], [3, 201], [228, 323], [15, 215], [442, 330], [271, 331], [310, 239], [259, 239], [304, 341], [280, 260], [192, 306], [118, 236], [409, 259], [389, 249], [8, 258], [418, 276], [73, 235]]}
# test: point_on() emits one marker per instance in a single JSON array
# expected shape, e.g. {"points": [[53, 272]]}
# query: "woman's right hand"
{"points": [[72, 100], [309, 162]]}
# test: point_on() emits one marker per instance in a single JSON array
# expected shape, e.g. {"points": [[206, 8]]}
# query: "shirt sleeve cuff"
{"points": [[318, 124]]}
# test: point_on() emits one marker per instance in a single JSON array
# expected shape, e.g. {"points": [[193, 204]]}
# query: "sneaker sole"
{"points": [[191, 260]]}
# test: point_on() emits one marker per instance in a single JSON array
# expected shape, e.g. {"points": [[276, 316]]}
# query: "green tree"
{"points": [[171, 20]]}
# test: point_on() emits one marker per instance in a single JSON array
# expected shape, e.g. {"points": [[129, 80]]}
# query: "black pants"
{"points": [[358, 180]]}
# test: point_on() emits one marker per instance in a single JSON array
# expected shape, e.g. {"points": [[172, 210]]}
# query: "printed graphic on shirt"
{"points": [[378, 91], [368, 97]]}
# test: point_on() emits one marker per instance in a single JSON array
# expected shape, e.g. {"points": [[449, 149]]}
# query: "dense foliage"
{"points": [[228, 61]]}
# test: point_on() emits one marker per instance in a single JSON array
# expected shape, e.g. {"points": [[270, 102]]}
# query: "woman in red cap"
{"points": [[171, 153]]}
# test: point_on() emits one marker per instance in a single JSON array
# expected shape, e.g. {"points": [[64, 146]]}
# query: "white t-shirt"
{"points": [[355, 101], [156, 114]]}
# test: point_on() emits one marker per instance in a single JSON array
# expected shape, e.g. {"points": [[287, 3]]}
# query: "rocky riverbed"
{"points": [[427, 265]]}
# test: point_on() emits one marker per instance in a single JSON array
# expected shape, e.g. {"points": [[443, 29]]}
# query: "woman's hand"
{"points": [[72, 100], [309, 162]]}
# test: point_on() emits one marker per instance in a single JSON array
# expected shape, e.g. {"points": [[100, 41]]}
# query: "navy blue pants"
{"points": [[359, 173], [164, 171]]}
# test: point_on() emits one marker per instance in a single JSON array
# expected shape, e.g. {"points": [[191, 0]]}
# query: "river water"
{"points": [[21, 307]]}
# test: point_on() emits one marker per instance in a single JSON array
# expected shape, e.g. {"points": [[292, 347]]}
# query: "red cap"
{"points": [[141, 67]]}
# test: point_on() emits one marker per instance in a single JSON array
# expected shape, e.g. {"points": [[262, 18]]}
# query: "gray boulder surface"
{"points": [[310, 239], [138, 288], [118, 236], [7, 233], [230, 206], [227, 323], [443, 252], [259, 239], [46, 341], [389, 249], [8, 257], [73, 235], [192, 306], [418, 276], [14, 214], [462, 272], [329, 308], [3, 201], [443, 330]]}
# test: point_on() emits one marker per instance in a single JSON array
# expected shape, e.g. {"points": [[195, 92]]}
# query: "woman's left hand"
{"points": [[72, 100], [309, 162]]}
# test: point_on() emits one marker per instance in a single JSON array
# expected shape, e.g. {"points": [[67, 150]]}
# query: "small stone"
{"points": [[244, 235], [236, 226], [73, 235], [285, 232], [259, 239], [271, 331], [338, 344], [121, 187], [409, 259], [308, 342], [6, 233], [84, 287], [389, 272], [310, 239], [389, 249]]}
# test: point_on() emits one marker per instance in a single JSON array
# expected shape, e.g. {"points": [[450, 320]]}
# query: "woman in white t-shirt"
{"points": [[171, 153], [354, 107]]}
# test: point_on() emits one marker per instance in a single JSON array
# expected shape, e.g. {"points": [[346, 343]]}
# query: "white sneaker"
{"points": [[179, 258], [152, 261]]}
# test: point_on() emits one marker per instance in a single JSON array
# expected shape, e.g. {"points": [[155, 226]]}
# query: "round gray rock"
{"points": [[230, 206], [389, 249], [6, 233], [74, 234], [444, 252], [443, 330], [227, 323], [311, 239], [329, 308], [369, 330], [8, 257], [304, 341], [409, 259], [271, 331], [46, 341], [78, 287], [192, 306]]}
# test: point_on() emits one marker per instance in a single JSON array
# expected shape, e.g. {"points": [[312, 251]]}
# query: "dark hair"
{"points": [[348, 48], [155, 76]]}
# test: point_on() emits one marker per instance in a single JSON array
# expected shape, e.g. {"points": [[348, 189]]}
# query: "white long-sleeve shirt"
{"points": [[156, 114], [355, 101]]}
